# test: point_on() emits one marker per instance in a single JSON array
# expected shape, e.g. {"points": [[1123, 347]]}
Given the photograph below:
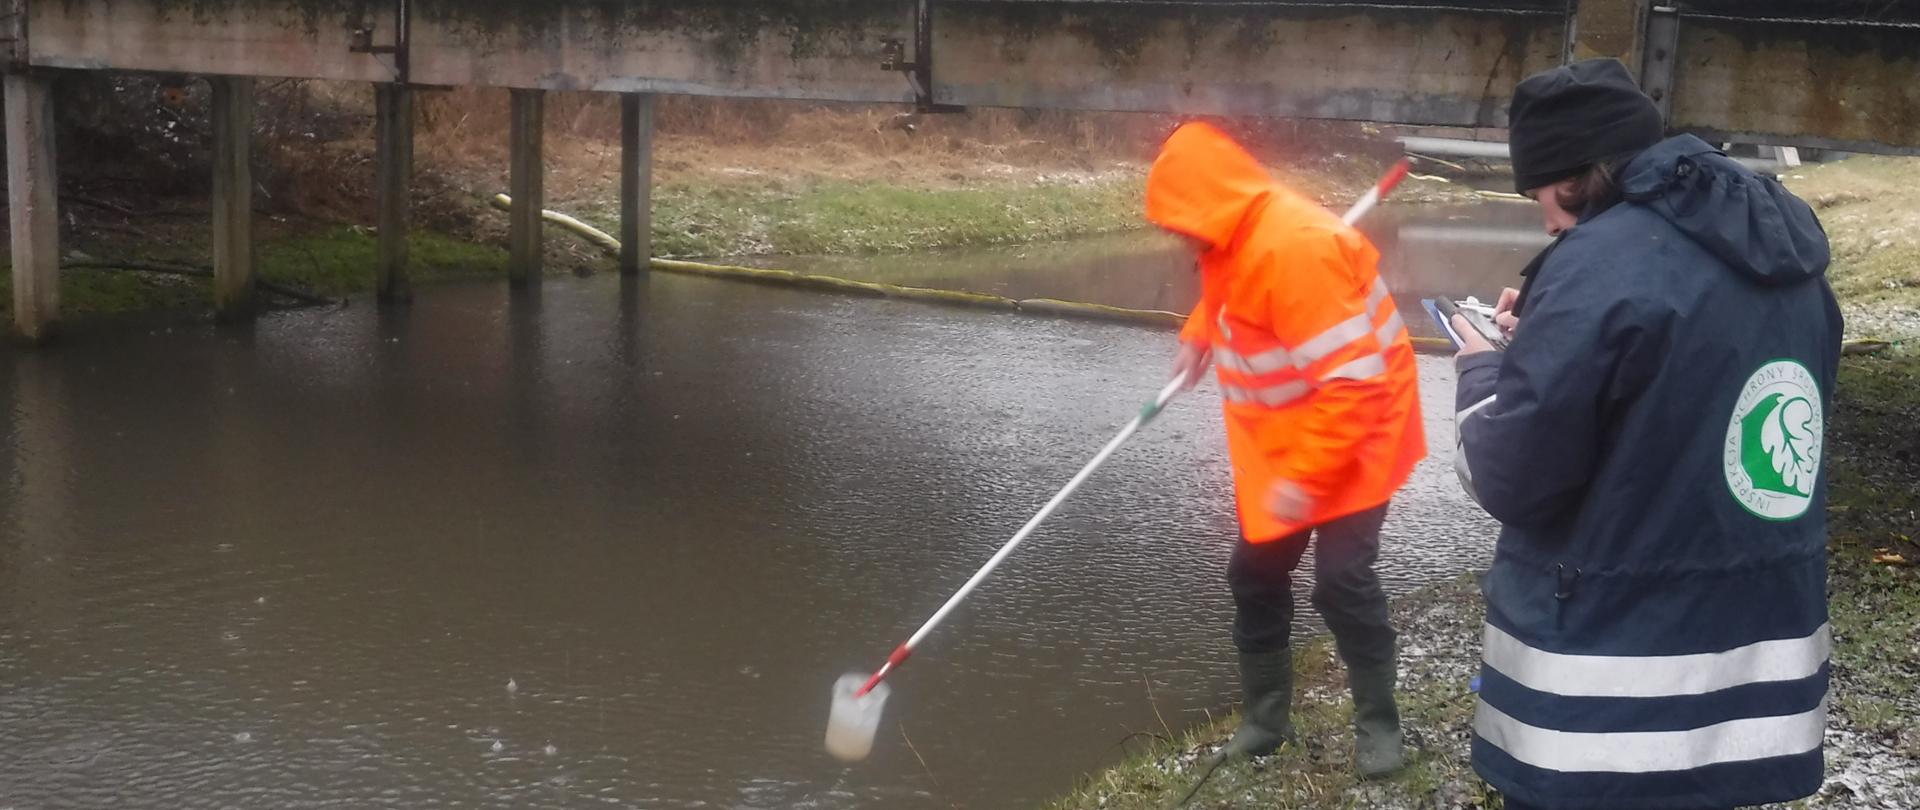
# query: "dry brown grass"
{"points": [[732, 176], [730, 139], [1871, 209], [315, 142]]}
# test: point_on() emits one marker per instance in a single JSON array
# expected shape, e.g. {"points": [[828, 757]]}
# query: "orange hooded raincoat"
{"points": [[1313, 359]]}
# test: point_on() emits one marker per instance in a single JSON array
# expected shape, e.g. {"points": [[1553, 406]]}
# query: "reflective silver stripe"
{"points": [[1227, 359], [1269, 361], [1646, 676], [1390, 331], [1266, 362], [1376, 295], [1365, 368], [1325, 343], [1743, 740], [1272, 396], [1474, 408], [1465, 474], [1319, 346], [1460, 466]]}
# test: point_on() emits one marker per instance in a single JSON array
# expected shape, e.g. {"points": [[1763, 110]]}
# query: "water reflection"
{"points": [[300, 563], [1425, 251]]}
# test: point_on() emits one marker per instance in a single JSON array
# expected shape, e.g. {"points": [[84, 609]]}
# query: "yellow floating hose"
{"points": [[1038, 306]]}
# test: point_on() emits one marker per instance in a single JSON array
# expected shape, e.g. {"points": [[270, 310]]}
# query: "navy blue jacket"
{"points": [[1651, 442]]}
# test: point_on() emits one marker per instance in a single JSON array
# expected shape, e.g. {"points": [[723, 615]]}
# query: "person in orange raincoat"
{"points": [[1323, 421]]}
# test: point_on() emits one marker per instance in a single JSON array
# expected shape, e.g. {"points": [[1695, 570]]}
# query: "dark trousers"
{"points": [[1345, 589]]}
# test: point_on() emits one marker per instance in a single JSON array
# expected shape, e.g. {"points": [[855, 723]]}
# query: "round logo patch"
{"points": [[1773, 441]]}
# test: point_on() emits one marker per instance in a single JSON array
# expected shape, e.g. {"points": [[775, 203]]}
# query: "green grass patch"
{"points": [[1435, 708], [1316, 773], [1298, 776], [845, 217], [1873, 500], [339, 260], [335, 260], [746, 216], [88, 293]]}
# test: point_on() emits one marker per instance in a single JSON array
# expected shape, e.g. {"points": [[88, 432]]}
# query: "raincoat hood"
{"points": [[1206, 186], [1747, 220], [1320, 388]]}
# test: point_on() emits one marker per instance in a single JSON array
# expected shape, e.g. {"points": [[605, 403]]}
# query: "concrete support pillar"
{"points": [[1615, 28], [233, 256], [33, 192], [528, 245], [393, 133], [13, 30], [636, 182]]}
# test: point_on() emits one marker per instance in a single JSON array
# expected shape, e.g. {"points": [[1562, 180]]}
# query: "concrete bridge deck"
{"points": [[1824, 73]]}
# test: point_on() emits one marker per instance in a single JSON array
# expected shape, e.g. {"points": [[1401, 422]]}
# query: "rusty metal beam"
{"points": [[1829, 86], [1659, 57], [1851, 12], [13, 34], [1616, 28]]}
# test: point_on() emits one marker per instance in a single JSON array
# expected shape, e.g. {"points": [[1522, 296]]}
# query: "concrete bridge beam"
{"points": [[1438, 65], [1803, 72]]}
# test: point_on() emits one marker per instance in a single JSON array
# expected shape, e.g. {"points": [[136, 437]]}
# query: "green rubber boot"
{"points": [[1376, 721], [1266, 720]]}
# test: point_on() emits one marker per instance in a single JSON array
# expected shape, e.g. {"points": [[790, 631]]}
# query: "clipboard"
{"points": [[1442, 310], [1442, 321]]}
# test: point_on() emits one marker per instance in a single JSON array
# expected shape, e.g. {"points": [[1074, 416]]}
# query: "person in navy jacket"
{"points": [[1651, 442]]}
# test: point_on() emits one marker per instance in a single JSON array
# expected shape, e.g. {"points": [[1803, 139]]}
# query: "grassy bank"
{"points": [[693, 218], [1871, 207], [1875, 518], [830, 216], [833, 198], [739, 205], [1440, 634], [731, 178], [738, 179], [1874, 737], [327, 259]]}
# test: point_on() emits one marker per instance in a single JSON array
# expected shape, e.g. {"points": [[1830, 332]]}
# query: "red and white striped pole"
{"points": [[1379, 192]]}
